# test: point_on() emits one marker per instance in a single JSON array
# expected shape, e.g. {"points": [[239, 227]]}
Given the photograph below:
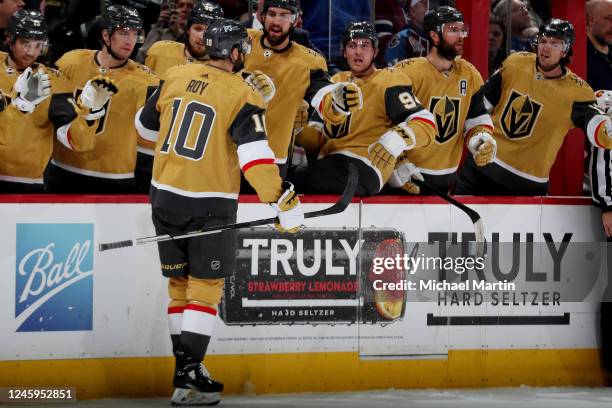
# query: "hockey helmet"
{"points": [[27, 24], [436, 18], [561, 29], [223, 35], [204, 12], [290, 5], [360, 29], [123, 17]]}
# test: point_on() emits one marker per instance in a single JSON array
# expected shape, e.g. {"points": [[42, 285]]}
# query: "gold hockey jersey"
{"points": [[456, 105], [114, 154], [164, 55], [208, 125], [532, 115], [298, 74], [27, 139], [387, 101], [12, 120]]}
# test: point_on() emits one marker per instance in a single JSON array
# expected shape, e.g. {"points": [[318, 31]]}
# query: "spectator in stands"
{"points": [[599, 44], [497, 44], [321, 16], [7, 8], [389, 19], [411, 41], [65, 18], [233, 8], [170, 25], [520, 22]]}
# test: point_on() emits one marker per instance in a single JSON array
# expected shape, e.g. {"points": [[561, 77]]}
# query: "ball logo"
{"points": [[54, 277]]}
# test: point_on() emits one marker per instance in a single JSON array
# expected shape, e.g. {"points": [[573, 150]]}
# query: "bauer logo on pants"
{"points": [[54, 277]]}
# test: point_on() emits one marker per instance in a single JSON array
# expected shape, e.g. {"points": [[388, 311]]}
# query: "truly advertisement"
{"points": [[313, 277], [54, 277]]}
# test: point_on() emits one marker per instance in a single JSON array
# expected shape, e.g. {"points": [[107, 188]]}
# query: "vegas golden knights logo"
{"points": [[446, 112], [520, 115], [337, 131]]}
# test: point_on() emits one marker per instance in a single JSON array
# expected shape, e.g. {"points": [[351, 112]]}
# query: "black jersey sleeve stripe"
{"points": [[492, 90], [249, 125], [149, 115]]}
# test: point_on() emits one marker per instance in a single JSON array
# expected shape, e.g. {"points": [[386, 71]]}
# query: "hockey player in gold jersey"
{"points": [[209, 125], [109, 167], [26, 141], [12, 119], [449, 87], [298, 74], [534, 99], [391, 122], [166, 54]]}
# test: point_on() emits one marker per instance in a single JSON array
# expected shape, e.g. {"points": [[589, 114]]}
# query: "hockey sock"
{"points": [[197, 328]]}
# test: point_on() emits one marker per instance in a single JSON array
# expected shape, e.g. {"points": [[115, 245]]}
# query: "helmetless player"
{"points": [[298, 74], [391, 122], [534, 99], [449, 87], [166, 54], [209, 125], [26, 141], [109, 166]]}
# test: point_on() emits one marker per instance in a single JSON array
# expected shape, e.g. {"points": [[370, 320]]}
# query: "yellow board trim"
{"points": [[314, 372]]}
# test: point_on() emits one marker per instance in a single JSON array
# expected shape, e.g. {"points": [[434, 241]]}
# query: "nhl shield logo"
{"points": [[520, 115], [337, 131], [446, 112]]}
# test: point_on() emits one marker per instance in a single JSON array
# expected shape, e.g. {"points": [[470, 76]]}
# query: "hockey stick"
{"points": [[481, 247], [338, 207]]}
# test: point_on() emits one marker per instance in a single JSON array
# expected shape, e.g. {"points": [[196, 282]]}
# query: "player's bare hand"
{"points": [[606, 219], [483, 148]]}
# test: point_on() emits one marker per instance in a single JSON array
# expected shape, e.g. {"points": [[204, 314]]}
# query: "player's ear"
{"points": [[106, 37], [375, 52], [435, 38]]}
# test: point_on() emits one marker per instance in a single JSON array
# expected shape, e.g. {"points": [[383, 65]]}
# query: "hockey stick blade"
{"points": [[481, 247], [347, 195]]}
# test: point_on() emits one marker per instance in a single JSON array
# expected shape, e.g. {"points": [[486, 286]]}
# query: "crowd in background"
{"points": [[74, 24]]}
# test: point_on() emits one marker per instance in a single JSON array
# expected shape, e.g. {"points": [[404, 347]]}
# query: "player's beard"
{"points": [[548, 68], [195, 54], [446, 50], [279, 40]]}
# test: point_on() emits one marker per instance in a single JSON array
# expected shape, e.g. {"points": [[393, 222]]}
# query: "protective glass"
{"points": [[362, 44], [455, 30], [285, 16], [130, 34], [551, 42]]}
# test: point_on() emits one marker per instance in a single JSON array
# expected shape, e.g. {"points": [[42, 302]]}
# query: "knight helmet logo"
{"points": [[520, 115], [446, 112], [337, 131]]}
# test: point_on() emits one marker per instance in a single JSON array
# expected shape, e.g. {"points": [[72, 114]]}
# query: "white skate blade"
{"points": [[187, 397]]}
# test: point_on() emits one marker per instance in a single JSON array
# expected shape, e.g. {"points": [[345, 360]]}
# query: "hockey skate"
{"points": [[194, 386]]}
